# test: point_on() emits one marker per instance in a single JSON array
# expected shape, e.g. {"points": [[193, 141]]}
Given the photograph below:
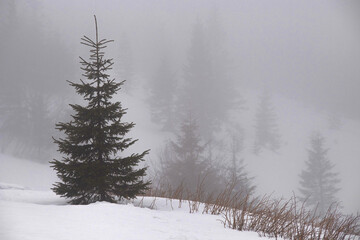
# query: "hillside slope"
{"points": [[41, 215]]}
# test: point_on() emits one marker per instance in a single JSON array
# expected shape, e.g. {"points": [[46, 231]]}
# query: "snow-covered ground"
{"points": [[41, 215], [26, 173]]}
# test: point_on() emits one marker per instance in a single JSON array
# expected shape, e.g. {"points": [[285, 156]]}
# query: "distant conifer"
{"points": [[237, 169], [186, 164], [266, 135], [318, 181]]}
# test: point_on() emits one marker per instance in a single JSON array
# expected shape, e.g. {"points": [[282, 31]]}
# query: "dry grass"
{"points": [[282, 219], [269, 217]]}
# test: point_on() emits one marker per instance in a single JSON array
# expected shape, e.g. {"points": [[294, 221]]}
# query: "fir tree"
{"points": [[27, 96], [162, 95], [125, 64], [186, 163], [334, 121], [208, 91], [196, 95], [266, 135], [238, 174], [318, 181], [92, 170], [40, 129]]}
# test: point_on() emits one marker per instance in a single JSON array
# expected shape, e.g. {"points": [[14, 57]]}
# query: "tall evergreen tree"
{"points": [[207, 91], [92, 170], [11, 93], [334, 121], [26, 96], [186, 163], [41, 128], [196, 96], [199, 88], [237, 170], [318, 182], [221, 65], [266, 131], [162, 96], [125, 64]]}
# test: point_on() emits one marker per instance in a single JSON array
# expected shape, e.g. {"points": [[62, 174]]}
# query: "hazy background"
{"points": [[306, 53]]}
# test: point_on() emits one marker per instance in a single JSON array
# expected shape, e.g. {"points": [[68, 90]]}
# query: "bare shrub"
{"points": [[279, 218], [269, 217]]}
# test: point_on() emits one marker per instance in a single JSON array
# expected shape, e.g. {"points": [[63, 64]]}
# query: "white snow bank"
{"points": [[26, 173], [36, 215], [10, 186]]}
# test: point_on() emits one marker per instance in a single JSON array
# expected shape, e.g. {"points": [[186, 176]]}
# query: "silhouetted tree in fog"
{"points": [[30, 69], [319, 184], [14, 125], [92, 170], [41, 128], [9, 14], [13, 116], [334, 121], [163, 95], [207, 90], [222, 68], [266, 131], [237, 172], [184, 162], [126, 68]]}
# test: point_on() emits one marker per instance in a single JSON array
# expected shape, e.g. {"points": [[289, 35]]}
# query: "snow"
{"points": [[10, 186], [41, 215], [26, 173]]}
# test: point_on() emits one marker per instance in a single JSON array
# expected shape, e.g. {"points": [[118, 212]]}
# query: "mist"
{"points": [[219, 62]]}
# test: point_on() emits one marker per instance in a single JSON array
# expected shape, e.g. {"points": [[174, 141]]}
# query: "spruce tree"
{"points": [[266, 135], [36, 140], [162, 95], [237, 171], [207, 90], [28, 97], [125, 64], [92, 169], [186, 163], [196, 94], [318, 181], [334, 121]]}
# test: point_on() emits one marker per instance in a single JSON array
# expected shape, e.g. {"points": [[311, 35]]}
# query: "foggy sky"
{"points": [[308, 50]]}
